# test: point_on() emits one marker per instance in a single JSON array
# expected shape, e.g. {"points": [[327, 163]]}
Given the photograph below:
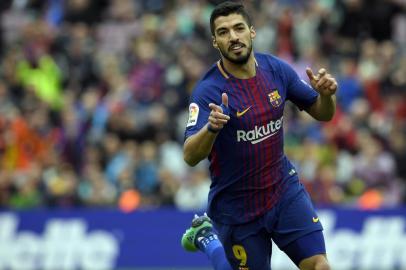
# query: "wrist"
{"points": [[212, 130], [326, 97]]}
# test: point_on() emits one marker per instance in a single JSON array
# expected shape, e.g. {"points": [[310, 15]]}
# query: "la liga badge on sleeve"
{"points": [[193, 114]]}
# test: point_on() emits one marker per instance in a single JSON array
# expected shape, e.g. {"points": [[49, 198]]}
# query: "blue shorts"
{"points": [[292, 224]]}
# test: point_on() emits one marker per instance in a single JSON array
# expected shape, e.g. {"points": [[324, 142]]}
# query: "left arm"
{"points": [[324, 107]]}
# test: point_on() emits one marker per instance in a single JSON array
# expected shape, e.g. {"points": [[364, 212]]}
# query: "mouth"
{"points": [[236, 47]]}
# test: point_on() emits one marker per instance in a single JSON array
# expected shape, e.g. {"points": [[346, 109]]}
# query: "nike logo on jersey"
{"points": [[315, 219], [239, 114]]}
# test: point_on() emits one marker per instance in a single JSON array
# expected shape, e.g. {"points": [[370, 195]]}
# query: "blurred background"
{"points": [[93, 106]]}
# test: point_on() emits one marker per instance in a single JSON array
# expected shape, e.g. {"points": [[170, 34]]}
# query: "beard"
{"points": [[239, 59]]}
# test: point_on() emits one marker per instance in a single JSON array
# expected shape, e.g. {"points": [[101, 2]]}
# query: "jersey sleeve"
{"points": [[199, 109], [298, 91]]}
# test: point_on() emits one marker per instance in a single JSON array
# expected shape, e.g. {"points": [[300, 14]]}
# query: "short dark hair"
{"points": [[226, 8]]}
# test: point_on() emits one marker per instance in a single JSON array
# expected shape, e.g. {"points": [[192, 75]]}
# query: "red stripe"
{"points": [[258, 152], [275, 176], [254, 181], [264, 120], [215, 164], [255, 203], [249, 202], [246, 162]]}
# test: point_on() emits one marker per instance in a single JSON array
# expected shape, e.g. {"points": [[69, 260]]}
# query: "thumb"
{"points": [[224, 104], [224, 99], [310, 74]]}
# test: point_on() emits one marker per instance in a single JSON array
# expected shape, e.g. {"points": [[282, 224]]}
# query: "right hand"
{"points": [[323, 82], [217, 118]]}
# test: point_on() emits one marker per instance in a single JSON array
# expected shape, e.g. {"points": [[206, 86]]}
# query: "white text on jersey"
{"points": [[258, 134]]}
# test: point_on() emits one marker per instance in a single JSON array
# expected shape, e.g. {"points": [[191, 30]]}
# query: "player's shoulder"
{"points": [[211, 82], [271, 62]]}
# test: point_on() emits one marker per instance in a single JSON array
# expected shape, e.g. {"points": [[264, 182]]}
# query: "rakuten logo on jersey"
{"points": [[64, 244], [258, 134]]}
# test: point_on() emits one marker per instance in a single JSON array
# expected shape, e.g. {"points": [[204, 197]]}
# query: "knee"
{"points": [[318, 262], [322, 265]]}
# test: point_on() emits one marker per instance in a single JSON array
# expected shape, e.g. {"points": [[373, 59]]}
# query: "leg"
{"points": [[200, 236], [250, 253], [247, 246], [316, 262], [308, 252], [298, 232]]}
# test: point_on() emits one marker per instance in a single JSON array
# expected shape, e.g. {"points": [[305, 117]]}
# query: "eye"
{"points": [[221, 33]]}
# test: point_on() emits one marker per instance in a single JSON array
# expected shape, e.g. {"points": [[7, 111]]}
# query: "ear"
{"points": [[214, 42], [253, 34]]}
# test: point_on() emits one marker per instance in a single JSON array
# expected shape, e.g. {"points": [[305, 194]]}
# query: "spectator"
{"points": [[94, 94]]}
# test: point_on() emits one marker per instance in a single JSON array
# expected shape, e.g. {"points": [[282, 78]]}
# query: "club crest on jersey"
{"points": [[193, 114], [275, 98]]}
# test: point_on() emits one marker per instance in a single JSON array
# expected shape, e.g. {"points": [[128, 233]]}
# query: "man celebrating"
{"points": [[236, 119]]}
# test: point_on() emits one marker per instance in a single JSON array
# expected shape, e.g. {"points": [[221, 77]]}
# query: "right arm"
{"points": [[198, 146]]}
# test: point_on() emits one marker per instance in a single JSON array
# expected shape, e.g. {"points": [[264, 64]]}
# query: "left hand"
{"points": [[323, 82]]}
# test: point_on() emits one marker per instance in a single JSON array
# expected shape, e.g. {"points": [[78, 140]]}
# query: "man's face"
{"points": [[233, 37]]}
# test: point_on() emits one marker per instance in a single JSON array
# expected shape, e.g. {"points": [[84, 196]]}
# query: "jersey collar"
{"points": [[223, 70]]}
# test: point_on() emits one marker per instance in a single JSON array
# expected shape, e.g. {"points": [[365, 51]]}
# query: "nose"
{"points": [[233, 35]]}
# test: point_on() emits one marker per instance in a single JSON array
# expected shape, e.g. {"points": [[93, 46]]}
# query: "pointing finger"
{"points": [[219, 112], [214, 107], [310, 74], [224, 99], [322, 72], [333, 86], [224, 104]]}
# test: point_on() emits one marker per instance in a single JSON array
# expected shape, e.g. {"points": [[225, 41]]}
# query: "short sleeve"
{"points": [[298, 91], [199, 108]]}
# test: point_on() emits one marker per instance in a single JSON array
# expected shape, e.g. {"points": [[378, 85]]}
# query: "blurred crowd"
{"points": [[94, 97]]}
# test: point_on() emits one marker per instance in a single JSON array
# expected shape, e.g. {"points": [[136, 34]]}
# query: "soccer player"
{"points": [[236, 120]]}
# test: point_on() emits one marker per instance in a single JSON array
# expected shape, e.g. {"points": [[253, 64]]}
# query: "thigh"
{"points": [[296, 218], [306, 250], [245, 247], [315, 262]]}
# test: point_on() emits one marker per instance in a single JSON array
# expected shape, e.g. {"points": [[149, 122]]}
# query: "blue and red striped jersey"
{"points": [[248, 167]]}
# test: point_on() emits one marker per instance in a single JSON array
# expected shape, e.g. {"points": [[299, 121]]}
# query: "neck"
{"points": [[241, 71]]}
